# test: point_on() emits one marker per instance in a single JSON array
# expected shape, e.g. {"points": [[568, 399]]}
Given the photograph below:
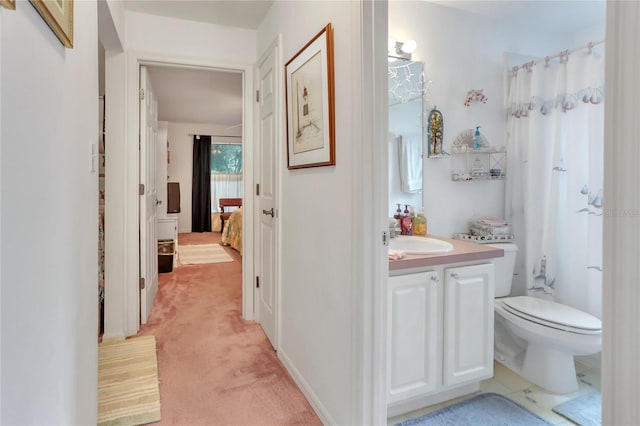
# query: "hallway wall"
{"points": [[49, 219], [317, 220]]}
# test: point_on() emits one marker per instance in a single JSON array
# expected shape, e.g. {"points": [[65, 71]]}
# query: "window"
{"points": [[226, 158], [226, 172]]}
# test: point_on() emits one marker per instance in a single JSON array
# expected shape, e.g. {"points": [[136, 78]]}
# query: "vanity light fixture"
{"points": [[400, 50]]}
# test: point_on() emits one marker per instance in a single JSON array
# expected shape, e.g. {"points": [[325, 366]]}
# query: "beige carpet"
{"points": [[128, 392], [202, 253]]}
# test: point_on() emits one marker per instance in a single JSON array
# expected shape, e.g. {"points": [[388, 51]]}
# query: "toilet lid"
{"points": [[552, 314]]}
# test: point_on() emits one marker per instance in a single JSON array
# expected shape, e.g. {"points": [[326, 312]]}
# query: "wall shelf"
{"points": [[473, 164]]}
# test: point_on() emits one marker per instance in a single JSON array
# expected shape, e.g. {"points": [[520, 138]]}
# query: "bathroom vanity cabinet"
{"points": [[439, 333]]}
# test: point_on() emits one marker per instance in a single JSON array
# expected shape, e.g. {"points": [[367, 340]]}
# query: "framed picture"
{"points": [[310, 104], [8, 4], [58, 14]]}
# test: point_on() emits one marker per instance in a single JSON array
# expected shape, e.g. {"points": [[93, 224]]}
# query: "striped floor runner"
{"points": [[202, 253], [128, 392]]}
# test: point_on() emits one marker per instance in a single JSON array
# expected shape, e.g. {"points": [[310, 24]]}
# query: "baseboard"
{"points": [[110, 336], [313, 399]]}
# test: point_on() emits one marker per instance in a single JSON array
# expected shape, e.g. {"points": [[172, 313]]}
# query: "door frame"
{"points": [[131, 294]]}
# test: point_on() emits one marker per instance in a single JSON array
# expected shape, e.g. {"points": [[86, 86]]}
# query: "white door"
{"points": [[468, 324], [412, 336], [148, 198], [266, 255]]}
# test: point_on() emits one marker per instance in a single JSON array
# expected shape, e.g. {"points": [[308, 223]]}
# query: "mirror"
{"points": [[406, 130]]}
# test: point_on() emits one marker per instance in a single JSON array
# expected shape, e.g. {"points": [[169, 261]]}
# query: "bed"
{"points": [[232, 231]]}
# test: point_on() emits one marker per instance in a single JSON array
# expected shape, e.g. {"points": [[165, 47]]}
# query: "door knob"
{"points": [[268, 212]]}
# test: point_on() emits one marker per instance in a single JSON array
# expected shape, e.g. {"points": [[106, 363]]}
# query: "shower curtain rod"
{"points": [[562, 54], [215, 136]]}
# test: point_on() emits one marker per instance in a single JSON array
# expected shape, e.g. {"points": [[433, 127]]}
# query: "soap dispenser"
{"points": [[420, 223], [406, 223], [477, 141]]}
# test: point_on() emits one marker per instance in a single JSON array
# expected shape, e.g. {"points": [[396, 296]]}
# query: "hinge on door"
{"points": [[257, 96], [257, 189], [385, 238], [142, 284], [141, 189], [257, 282], [141, 94]]}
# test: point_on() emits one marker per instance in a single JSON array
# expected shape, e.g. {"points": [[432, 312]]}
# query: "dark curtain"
{"points": [[201, 188]]}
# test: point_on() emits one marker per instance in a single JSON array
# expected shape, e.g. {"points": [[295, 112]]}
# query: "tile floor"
{"points": [[507, 383]]}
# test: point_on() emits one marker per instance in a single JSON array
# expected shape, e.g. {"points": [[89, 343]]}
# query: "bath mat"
{"points": [[202, 253], [585, 410], [128, 392], [484, 409]]}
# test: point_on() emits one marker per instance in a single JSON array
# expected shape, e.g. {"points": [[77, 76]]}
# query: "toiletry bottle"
{"points": [[398, 214], [420, 223], [406, 223], [477, 142]]}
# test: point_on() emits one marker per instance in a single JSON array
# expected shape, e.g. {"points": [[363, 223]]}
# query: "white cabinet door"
{"points": [[468, 324], [412, 333]]}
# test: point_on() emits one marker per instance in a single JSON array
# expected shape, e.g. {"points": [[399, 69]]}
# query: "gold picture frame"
{"points": [[8, 4], [58, 14], [309, 94]]}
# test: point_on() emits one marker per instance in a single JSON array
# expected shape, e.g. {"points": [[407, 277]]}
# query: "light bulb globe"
{"points": [[409, 46]]}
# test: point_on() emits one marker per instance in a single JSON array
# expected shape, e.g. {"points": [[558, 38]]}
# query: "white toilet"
{"points": [[537, 338]]}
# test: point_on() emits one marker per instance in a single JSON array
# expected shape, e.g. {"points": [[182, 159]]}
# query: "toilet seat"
{"points": [[552, 314]]}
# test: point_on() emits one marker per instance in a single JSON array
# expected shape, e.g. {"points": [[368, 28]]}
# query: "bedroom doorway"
{"points": [[199, 108], [131, 259]]}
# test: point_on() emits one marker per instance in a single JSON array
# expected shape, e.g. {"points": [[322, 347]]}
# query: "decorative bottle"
{"points": [[420, 223], [406, 223], [477, 141]]}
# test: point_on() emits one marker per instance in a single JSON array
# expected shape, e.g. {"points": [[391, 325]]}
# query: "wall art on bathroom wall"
{"points": [[435, 132], [58, 14], [310, 104]]}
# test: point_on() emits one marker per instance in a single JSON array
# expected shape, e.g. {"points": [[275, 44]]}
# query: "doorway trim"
{"points": [[130, 168]]}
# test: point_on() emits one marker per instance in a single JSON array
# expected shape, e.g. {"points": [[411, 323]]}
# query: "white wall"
{"points": [[316, 214], [180, 169], [463, 51], [49, 220], [189, 39]]}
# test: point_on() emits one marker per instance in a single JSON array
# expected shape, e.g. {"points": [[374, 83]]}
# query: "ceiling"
{"points": [[545, 15], [232, 13], [215, 97], [191, 95]]}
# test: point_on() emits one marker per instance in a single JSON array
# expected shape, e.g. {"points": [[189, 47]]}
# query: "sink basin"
{"points": [[419, 245]]}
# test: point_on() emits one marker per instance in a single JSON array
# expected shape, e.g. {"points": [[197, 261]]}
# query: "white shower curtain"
{"points": [[554, 185]]}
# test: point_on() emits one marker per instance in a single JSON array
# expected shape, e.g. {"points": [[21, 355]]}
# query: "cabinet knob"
{"points": [[434, 278], [454, 275]]}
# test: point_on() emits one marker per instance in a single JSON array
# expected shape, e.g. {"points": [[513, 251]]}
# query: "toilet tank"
{"points": [[504, 268]]}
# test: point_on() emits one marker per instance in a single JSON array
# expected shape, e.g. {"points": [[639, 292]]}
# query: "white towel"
{"points": [[410, 156]]}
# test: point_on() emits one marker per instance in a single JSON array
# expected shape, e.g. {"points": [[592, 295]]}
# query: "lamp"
{"points": [[400, 50]]}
